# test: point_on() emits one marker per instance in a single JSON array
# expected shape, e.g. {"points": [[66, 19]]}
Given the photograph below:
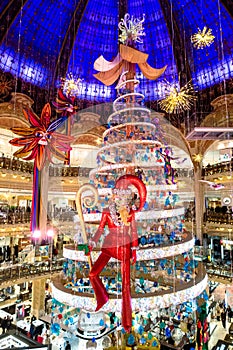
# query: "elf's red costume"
{"points": [[121, 242]]}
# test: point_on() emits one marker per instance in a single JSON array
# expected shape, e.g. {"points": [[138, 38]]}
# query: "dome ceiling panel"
{"points": [[3, 5], [34, 39], [212, 64], [33, 45], [97, 34]]}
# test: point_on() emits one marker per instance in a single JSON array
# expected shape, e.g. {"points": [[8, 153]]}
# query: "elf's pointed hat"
{"points": [[126, 180]]}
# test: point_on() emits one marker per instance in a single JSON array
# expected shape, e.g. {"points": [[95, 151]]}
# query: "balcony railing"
{"points": [[219, 168], [11, 273], [16, 165]]}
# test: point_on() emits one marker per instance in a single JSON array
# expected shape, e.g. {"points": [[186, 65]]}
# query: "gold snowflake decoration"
{"points": [[131, 29], [177, 99], [71, 85], [197, 157], [202, 38]]}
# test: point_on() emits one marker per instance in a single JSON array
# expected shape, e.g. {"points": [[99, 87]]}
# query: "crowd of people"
{"points": [[5, 324], [223, 313]]}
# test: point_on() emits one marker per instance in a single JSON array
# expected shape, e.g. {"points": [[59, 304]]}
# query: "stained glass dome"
{"points": [[43, 40]]}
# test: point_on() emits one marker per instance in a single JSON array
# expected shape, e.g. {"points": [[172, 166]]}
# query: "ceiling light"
{"points": [[131, 29], [202, 38], [71, 85], [3, 174], [36, 234], [50, 233], [177, 99], [14, 176]]}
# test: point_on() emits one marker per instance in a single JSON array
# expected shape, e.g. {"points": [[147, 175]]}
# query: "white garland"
{"points": [[142, 253], [151, 303]]}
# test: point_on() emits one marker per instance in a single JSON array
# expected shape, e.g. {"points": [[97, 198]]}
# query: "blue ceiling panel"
{"points": [[33, 42], [97, 35], [3, 5]]}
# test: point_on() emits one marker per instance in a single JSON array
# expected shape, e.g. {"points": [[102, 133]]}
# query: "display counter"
{"points": [[9, 341], [4, 314], [223, 345], [231, 329], [24, 326], [229, 338]]}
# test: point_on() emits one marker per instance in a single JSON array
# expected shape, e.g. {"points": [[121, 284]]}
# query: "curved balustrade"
{"points": [[180, 293], [16, 165], [17, 215], [219, 168], [9, 274], [149, 253]]}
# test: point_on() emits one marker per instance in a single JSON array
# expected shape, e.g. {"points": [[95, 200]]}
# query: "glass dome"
{"points": [[42, 41]]}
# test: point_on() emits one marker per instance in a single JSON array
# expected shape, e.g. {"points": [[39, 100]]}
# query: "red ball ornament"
{"points": [[59, 316]]}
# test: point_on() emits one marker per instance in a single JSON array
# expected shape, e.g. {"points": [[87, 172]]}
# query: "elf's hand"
{"points": [[91, 246]]}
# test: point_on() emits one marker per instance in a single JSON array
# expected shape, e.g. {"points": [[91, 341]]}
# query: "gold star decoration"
{"points": [[197, 157], [177, 99], [202, 38]]}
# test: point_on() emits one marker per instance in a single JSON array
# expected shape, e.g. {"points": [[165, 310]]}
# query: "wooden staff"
{"points": [[89, 202]]}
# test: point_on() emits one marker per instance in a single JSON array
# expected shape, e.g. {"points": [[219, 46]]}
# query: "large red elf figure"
{"points": [[121, 242]]}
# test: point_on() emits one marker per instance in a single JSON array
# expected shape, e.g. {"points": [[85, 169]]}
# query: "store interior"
{"points": [[116, 168]]}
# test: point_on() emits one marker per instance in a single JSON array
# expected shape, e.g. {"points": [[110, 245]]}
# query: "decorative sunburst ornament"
{"points": [[40, 141], [202, 38], [71, 85], [197, 157], [177, 99], [131, 29]]}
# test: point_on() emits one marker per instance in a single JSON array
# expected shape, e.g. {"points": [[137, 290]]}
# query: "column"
{"points": [[199, 202], [38, 297], [44, 200]]}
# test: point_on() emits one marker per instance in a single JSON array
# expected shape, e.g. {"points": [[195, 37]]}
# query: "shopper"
{"points": [[32, 331], [33, 318], [4, 321], [8, 323], [229, 313], [67, 346], [218, 312], [223, 318]]}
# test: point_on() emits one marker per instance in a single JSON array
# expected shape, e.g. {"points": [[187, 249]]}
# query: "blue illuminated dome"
{"points": [[43, 40]]}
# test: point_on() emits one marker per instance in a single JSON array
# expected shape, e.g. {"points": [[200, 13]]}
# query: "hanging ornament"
{"points": [[131, 29], [71, 85], [197, 157], [202, 38], [177, 99]]}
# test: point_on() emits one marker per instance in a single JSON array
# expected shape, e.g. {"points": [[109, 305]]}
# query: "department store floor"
{"points": [[217, 331], [222, 293]]}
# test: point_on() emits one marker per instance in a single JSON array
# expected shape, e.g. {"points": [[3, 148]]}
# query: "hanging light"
{"points": [[131, 29], [177, 99], [197, 157], [202, 38], [36, 234], [50, 233], [71, 85]]}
